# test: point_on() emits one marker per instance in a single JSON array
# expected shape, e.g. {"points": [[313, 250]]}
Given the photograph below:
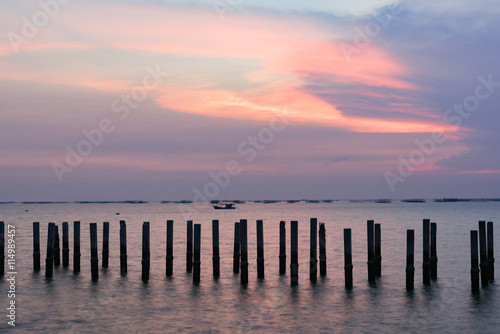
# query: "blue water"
{"points": [[70, 303]]}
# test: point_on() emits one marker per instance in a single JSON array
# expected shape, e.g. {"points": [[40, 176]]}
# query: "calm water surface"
{"points": [[70, 303]]}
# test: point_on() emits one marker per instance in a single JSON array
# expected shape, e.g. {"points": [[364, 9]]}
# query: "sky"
{"points": [[242, 99]]}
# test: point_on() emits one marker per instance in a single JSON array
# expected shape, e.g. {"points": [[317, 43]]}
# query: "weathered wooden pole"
{"points": [[94, 257], [426, 264], [378, 251], [57, 247], [483, 253], [2, 248], [433, 259], [65, 245], [215, 248], [371, 250], [36, 246], [244, 251], [236, 249], [197, 257], [189, 246], [49, 260], [347, 258], [145, 251], [260, 249], [491, 255], [294, 253], [76, 246], [282, 248], [169, 259], [474, 259], [322, 249], [105, 244], [410, 259], [313, 250], [123, 247]]}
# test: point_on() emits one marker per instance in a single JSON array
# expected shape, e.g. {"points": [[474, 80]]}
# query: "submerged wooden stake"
{"points": [[244, 251], [94, 259], [410, 259], [313, 250], [236, 249], [426, 264], [474, 259], [215, 248], [282, 255], [260, 249], [197, 250], [347, 258], [76, 246], [378, 251], [322, 249], [105, 244], [433, 259], [145, 252], [294, 256], [189, 246], [49, 260], [491, 255], [36, 247], [371, 250], [123, 247], [57, 248], [169, 258], [65, 243], [483, 253]]}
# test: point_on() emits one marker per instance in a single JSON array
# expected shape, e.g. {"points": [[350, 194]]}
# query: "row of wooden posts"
{"points": [[240, 253]]}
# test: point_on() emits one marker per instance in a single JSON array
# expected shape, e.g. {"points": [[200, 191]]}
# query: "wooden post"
{"points": [[197, 257], [474, 260], [94, 258], [244, 251], [433, 259], [2, 248], [294, 254], [123, 247], [483, 253], [145, 252], [410, 259], [65, 243], [215, 248], [347, 258], [36, 246], [189, 246], [57, 248], [491, 255], [170, 248], [371, 250], [313, 249], [236, 249], [282, 248], [322, 249], [260, 249], [378, 251], [76, 246], [49, 260], [105, 244], [426, 264]]}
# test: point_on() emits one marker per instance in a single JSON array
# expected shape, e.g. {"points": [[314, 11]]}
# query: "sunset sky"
{"points": [[242, 99]]}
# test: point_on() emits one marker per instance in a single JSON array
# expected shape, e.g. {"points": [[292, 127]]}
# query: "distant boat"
{"points": [[383, 201], [224, 206]]}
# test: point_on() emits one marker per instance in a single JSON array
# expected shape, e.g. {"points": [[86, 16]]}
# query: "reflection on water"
{"points": [[69, 303]]}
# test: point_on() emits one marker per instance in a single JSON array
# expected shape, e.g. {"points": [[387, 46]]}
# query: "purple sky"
{"points": [[163, 100]]}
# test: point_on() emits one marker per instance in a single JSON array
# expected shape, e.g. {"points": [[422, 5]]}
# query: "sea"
{"points": [[73, 303]]}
